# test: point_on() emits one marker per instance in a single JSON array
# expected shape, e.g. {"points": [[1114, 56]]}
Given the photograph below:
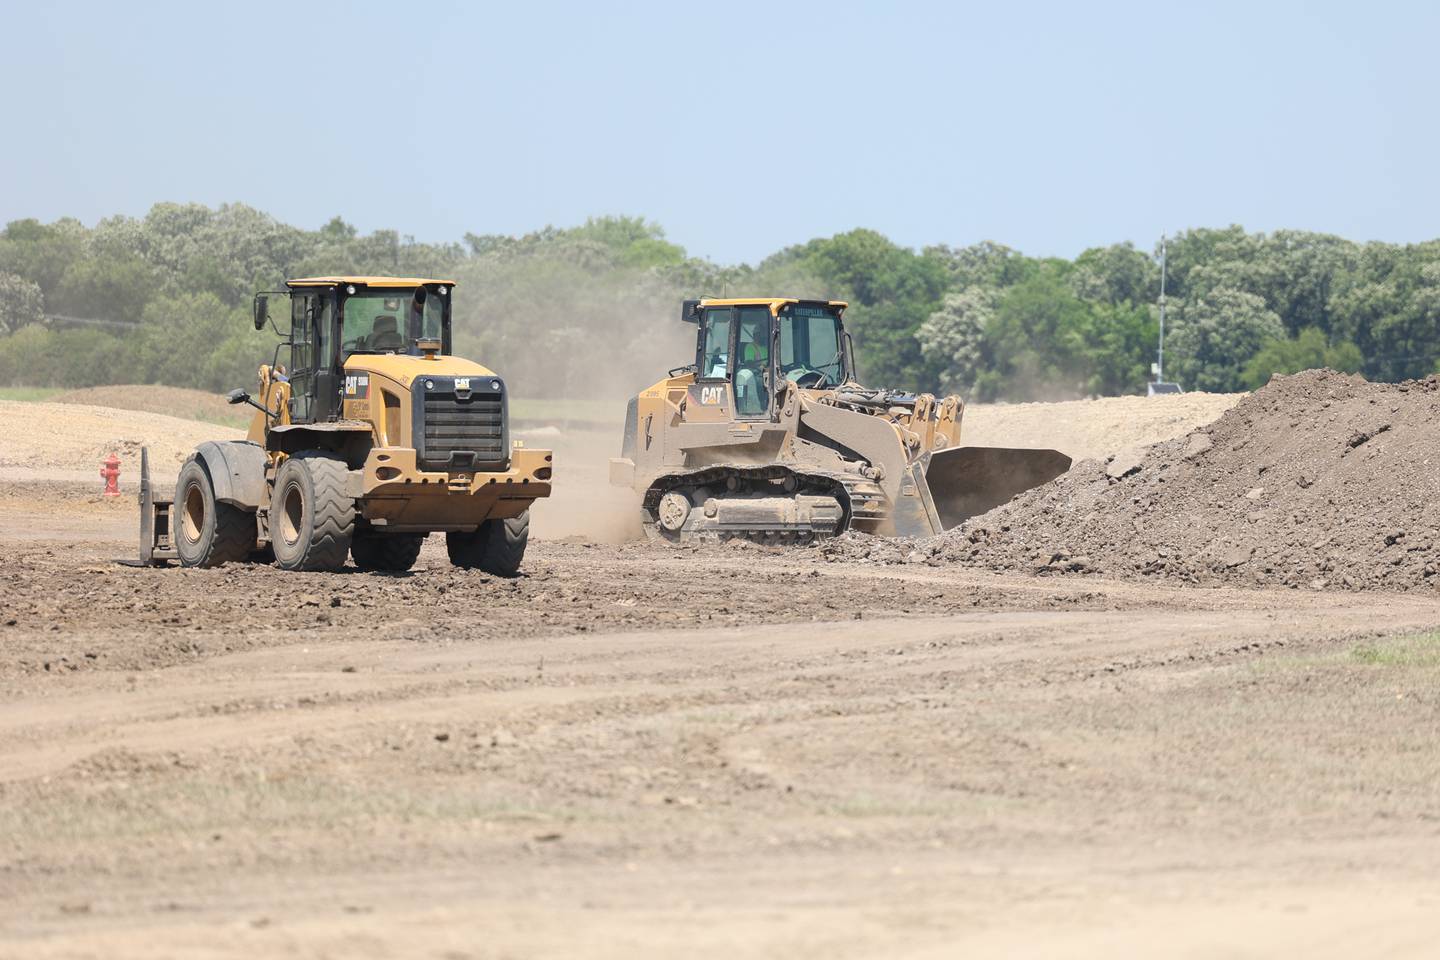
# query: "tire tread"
{"points": [[498, 547], [232, 535], [333, 512], [394, 553]]}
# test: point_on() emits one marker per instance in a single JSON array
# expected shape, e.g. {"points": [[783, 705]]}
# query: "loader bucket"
{"points": [[967, 481]]}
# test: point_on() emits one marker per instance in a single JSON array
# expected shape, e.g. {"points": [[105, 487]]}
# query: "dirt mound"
{"points": [[1085, 429], [62, 438], [170, 401], [1319, 479]]}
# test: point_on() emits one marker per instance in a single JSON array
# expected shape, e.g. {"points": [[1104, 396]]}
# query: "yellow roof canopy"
{"points": [[365, 282], [774, 303]]}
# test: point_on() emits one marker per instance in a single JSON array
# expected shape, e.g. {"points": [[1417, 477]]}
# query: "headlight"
{"points": [[494, 384], [429, 384]]}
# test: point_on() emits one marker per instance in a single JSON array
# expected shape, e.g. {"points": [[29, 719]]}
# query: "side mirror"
{"points": [[240, 396], [262, 313], [690, 311]]}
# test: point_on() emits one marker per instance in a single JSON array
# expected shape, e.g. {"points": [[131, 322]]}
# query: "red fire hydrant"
{"points": [[110, 473]]}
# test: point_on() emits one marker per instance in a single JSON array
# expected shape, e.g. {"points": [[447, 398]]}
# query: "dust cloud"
{"points": [[583, 505], [574, 346], [575, 341]]}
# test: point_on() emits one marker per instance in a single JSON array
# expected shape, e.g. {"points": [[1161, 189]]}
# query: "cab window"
{"points": [[752, 361], [811, 350], [432, 318], [310, 342], [310, 318], [376, 321], [715, 355], [302, 349]]}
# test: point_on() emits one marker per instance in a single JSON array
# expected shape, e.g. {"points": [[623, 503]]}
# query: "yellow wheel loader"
{"points": [[768, 436], [373, 437]]}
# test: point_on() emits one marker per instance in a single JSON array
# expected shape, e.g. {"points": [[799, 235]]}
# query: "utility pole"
{"points": [[1159, 385]]}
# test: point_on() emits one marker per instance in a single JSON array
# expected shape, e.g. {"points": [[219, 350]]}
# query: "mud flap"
{"points": [[967, 481], [156, 545]]}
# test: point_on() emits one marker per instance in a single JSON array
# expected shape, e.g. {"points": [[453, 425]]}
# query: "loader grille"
{"points": [[461, 423]]}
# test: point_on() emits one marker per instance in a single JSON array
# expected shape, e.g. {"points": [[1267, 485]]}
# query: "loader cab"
{"points": [[749, 351], [335, 318]]}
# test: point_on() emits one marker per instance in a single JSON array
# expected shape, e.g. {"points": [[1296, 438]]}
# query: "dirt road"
{"points": [[640, 751]]}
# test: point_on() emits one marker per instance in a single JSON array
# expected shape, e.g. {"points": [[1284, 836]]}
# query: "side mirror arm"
{"points": [[240, 396]]}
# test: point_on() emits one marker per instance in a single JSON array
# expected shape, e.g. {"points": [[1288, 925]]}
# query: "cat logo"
{"points": [[712, 395], [462, 383], [357, 386]]}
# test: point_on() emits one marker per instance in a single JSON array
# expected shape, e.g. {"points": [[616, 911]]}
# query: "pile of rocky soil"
{"points": [[1318, 480]]}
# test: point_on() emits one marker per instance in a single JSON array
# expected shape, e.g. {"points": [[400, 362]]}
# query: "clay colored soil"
{"points": [[179, 402], [640, 751], [69, 439], [1087, 429]]}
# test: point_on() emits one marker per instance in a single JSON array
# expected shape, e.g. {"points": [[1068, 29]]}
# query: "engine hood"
{"points": [[403, 368]]}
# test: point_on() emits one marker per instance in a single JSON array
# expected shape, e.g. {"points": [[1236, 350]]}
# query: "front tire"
{"points": [[497, 547], [312, 519], [206, 532], [389, 553]]}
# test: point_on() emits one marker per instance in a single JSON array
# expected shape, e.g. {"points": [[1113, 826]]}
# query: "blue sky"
{"points": [[739, 127]]}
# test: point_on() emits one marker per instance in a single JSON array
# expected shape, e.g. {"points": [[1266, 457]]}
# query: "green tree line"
{"points": [[593, 310]]}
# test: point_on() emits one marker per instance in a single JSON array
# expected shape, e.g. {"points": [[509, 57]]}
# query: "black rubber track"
{"points": [[807, 483]]}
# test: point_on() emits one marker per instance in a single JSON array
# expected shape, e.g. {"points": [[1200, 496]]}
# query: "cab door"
{"points": [[752, 377], [709, 399], [302, 356], [314, 390]]}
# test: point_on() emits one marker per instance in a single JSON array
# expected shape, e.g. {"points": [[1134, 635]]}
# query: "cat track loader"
{"points": [[373, 438], [768, 436]]}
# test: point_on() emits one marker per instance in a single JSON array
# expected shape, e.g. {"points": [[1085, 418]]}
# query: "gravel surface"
{"points": [[641, 751]]}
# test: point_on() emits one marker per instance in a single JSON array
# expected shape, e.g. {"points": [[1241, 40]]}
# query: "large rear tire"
{"points": [[312, 519], [391, 553], [208, 533], [497, 547]]}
